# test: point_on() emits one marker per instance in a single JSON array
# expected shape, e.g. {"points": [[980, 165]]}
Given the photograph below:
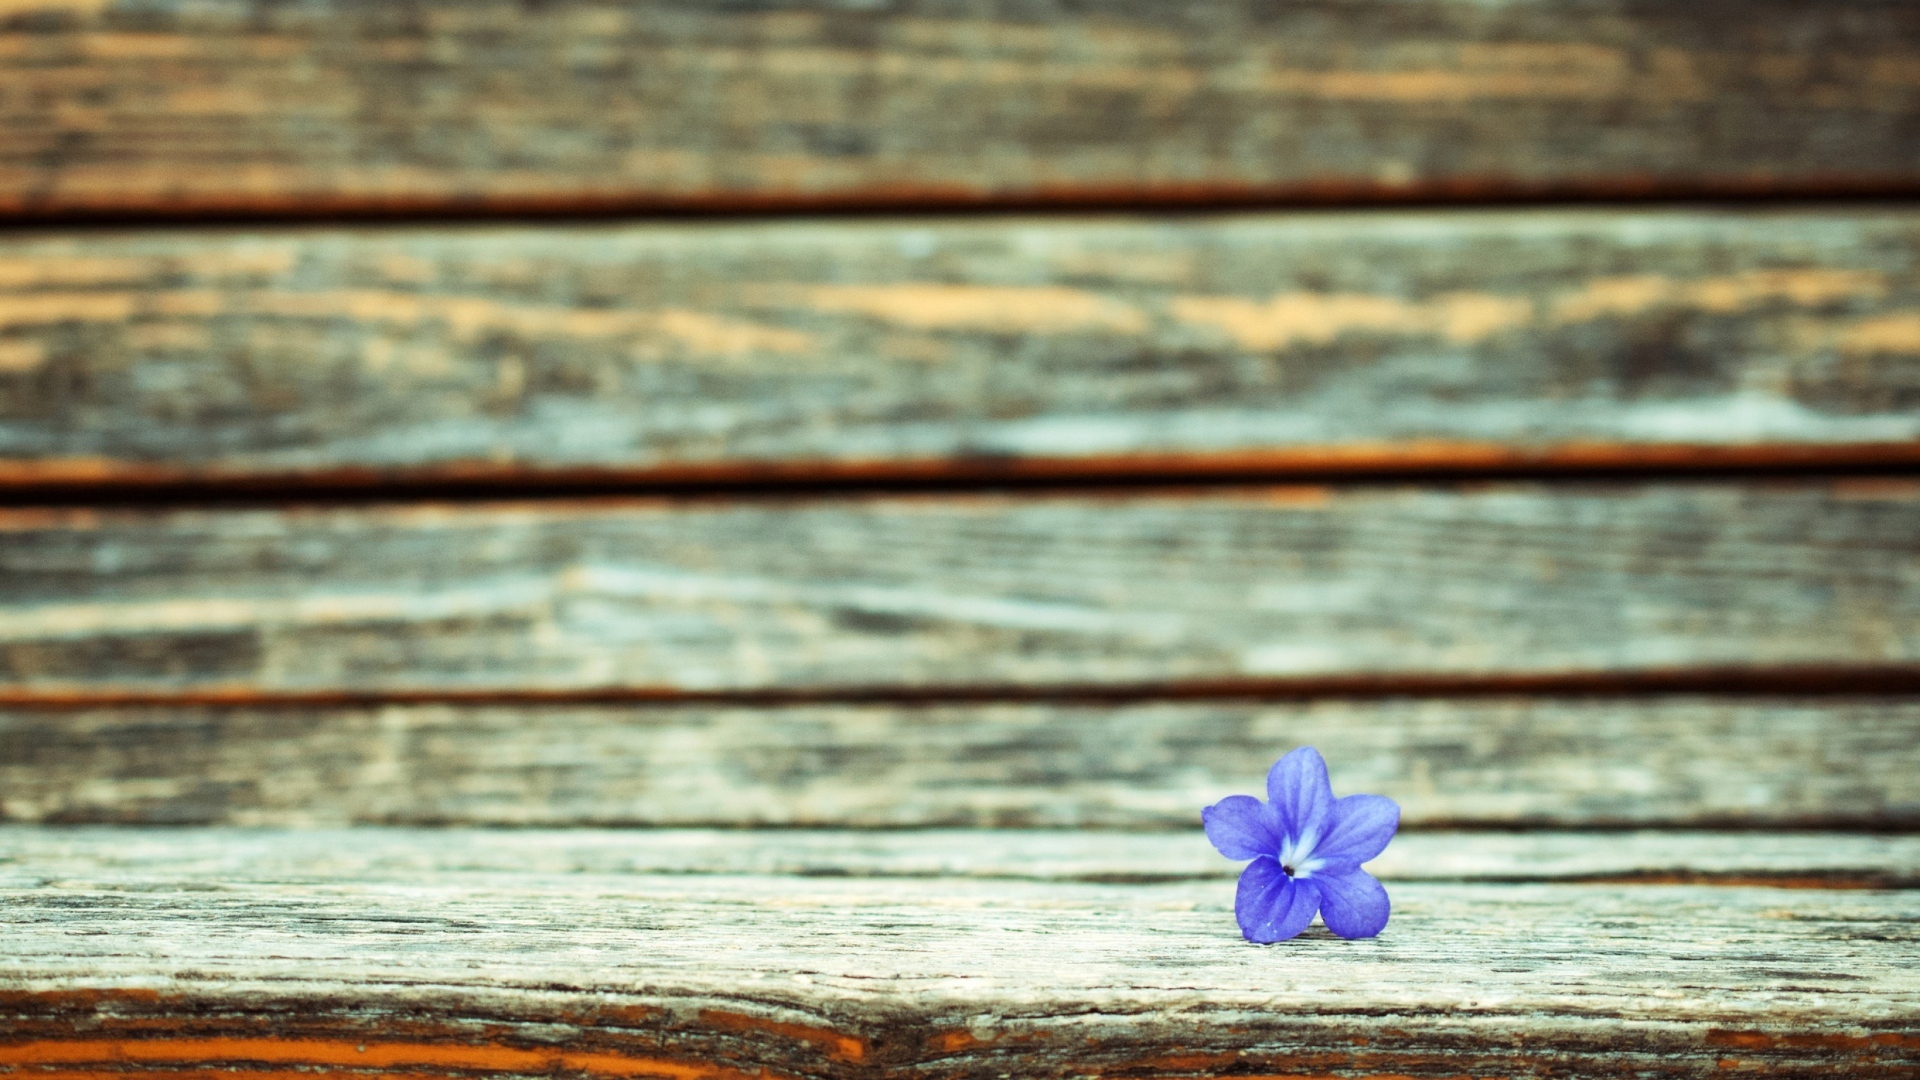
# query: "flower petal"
{"points": [[1272, 906], [1353, 903], [1240, 828], [1358, 828], [1298, 790]]}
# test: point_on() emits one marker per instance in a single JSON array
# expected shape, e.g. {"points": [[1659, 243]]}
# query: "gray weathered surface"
{"points": [[962, 349], [111, 969], [961, 591], [1293, 341], [1498, 762], [175, 106], [215, 856]]}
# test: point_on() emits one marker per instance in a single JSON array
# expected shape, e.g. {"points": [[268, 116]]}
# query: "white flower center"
{"points": [[1296, 855]]}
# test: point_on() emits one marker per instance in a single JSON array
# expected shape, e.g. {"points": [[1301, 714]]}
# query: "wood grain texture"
{"points": [[424, 972], [944, 592], [169, 106], [924, 348], [215, 856], [1584, 762]]}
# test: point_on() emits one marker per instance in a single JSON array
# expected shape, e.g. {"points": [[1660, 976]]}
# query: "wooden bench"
{"points": [[700, 541]]}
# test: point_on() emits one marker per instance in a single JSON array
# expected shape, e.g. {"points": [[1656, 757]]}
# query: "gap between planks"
{"points": [[83, 482], [1837, 680], [1172, 201]]}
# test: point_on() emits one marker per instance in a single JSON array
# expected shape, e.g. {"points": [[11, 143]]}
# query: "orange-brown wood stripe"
{"points": [[388, 1059], [234, 1059]]}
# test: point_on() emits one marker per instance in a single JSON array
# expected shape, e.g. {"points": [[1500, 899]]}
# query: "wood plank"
{"points": [[522, 973], [1502, 762], [933, 594], [1259, 343], [115, 106], [118, 856]]}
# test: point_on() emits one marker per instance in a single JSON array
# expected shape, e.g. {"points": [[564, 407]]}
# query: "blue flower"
{"points": [[1306, 847]]}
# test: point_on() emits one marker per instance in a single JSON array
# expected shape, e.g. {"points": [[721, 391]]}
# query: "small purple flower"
{"points": [[1306, 847]]}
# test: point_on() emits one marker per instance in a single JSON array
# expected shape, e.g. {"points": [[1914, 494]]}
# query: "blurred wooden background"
{"points": [[708, 540]]}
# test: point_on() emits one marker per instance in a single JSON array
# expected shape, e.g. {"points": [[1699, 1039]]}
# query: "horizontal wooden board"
{"points": [[175, 107], [938, 593], [1486, 762], [920, 348], [121, 856], [431, 972]]}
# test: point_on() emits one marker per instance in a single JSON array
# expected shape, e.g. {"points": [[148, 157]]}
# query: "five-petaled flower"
{"points": [[1306, 847]]}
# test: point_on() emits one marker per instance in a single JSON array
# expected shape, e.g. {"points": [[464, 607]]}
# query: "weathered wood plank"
{"points": [[944, 592], [121, 856], [697, 976], [171, 106], [1487, 762], [918, 348]]}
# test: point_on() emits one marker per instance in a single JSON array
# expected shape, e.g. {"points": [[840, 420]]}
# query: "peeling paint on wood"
{"points": [[1740, 762], [1303, 341], [171, 107]]}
